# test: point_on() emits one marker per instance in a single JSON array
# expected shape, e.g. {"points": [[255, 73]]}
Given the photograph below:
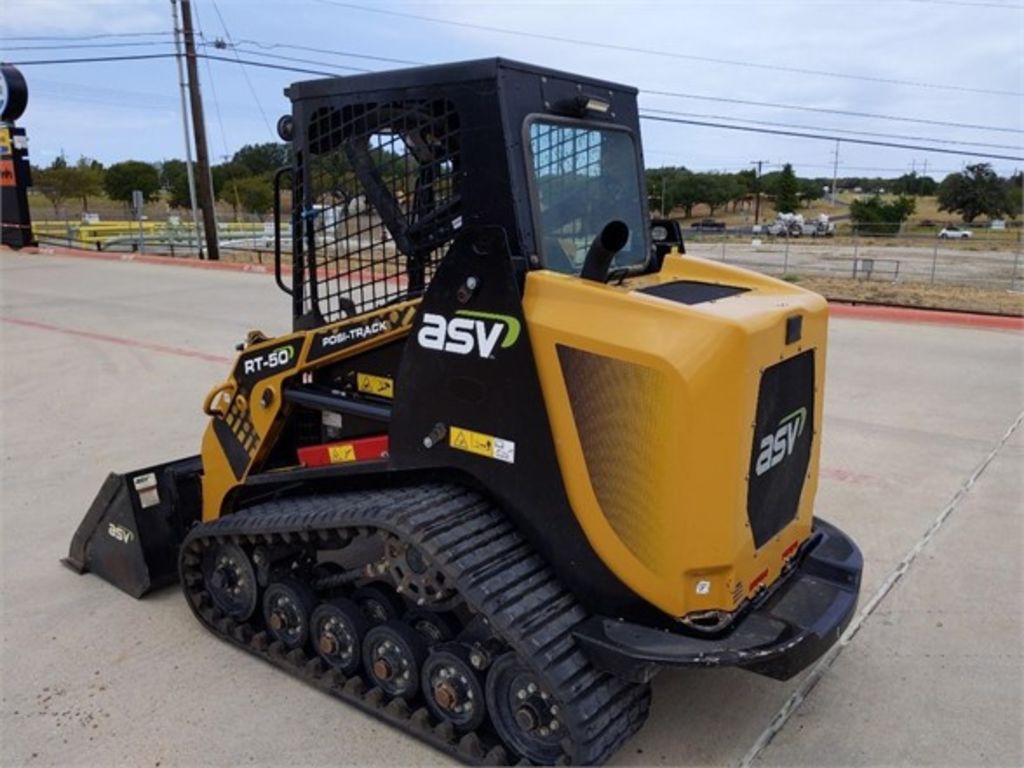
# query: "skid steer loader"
{"points": [[512, 460]]}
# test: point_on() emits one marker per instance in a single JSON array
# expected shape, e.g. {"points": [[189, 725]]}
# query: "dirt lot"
{"points": [[937, 296], [919, 261]]}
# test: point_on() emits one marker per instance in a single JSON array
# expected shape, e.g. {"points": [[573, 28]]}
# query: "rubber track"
{"points": [[493, 568]]}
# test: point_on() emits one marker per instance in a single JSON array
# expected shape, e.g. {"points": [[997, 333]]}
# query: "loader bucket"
{"points": [[131, 534]]}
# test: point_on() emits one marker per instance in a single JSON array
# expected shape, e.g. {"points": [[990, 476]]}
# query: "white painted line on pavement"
{"points": [[826, 661]]}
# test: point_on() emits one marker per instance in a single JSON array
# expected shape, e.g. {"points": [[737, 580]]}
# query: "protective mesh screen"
{"points": [[381, 202]]}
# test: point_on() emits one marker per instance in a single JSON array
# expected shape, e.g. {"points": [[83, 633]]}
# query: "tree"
{"points": [[912, 184], [254, 194], [787, 191], [809, 190], [87, 179], [122, 178], [978, 191], [1016, 194], [56, 183], [683, 190], [876, 217], [174, 179], [259, 159]]}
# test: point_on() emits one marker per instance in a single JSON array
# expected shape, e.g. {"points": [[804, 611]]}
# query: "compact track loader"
{"points": [[514, 458]]}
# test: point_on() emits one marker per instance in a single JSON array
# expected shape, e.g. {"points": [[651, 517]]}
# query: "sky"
{"points": [[943, 61]]}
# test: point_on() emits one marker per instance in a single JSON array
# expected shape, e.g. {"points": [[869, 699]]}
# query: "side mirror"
{"points": [[666, 234]]}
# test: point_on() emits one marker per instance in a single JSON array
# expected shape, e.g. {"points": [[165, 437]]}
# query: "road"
{"points": [[106, 363]]}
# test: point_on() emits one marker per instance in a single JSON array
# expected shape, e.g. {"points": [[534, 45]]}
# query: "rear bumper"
{"points": [[787, 632]]}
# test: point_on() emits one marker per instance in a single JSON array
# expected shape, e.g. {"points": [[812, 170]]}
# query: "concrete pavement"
{"points": [[105, 365]]}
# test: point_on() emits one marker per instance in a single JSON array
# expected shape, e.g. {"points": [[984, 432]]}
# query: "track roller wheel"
{"points": [[393, 654], [287, 604], [231, 581], [338, 628], [526, 716], [379, 602], [454, 691], [433, 627]]}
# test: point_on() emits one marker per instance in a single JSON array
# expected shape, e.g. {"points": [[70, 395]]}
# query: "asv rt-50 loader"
{"points": [[512, 459]]}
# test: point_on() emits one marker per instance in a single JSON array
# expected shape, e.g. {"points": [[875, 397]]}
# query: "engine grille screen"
{"points": [[619, 408], [781, 451]]}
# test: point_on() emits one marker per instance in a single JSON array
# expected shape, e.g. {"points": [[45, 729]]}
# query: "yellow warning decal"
{"points": [[381, 386], [482, 445], [339, 454]]}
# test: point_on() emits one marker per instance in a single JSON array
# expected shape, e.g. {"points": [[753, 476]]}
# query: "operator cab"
{"points": [[389, 168]]}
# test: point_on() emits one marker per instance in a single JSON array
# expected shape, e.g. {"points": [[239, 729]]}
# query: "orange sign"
{"points": [[6, 173]]}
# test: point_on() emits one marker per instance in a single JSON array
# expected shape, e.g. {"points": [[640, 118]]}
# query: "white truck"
{"points": [[793, 225]]}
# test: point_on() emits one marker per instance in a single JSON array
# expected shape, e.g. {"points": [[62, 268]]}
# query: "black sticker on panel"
{"points": [[781, 450]]}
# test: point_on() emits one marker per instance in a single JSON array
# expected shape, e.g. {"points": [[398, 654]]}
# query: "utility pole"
{"points": [[835, 172], [205, 180], [757, 189], [184, 125]]}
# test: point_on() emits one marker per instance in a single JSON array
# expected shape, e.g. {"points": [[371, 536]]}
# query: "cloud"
{"points": [[36, 17]]}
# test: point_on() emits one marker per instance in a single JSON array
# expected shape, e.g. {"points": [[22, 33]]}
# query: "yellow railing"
{"points": [[91, 234]]}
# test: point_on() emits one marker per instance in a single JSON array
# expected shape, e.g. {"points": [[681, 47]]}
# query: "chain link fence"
{"points": [[906, 258]]}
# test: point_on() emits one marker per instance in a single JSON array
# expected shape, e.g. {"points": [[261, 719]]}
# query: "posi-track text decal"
{"points": [[343, 335]]}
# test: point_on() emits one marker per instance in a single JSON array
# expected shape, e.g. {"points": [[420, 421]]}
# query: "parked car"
{"points": [[708, 225], [954, 233]]}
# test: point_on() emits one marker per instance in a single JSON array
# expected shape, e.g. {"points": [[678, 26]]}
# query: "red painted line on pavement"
{"points": [[142, 258], [162, 348], [360, 275], [845, 475], [927, 316]]}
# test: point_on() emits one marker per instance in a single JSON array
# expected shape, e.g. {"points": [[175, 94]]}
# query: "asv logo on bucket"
{"points": [[778, 445], [469, 332]]}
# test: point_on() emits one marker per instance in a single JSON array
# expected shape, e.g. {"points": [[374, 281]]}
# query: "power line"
{"points": [[245, 72], [369, 57], [265, 46], [823, 137], [1003, 6], [213, 89], [656, 118], [899, 136], [280, 67], [98, 36], [94, 59], [65, 47], [670, 54], [281, 57], [823, 110]]}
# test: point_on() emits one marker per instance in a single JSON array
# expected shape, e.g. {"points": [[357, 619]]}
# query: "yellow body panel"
{"points": [[668, 511]]}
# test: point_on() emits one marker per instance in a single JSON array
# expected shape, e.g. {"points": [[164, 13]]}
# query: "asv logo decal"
{"points": [[469, 332], [779, 444], [120, 533], [277, 358]]}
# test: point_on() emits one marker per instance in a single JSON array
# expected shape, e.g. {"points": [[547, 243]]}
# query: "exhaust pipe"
{"points": [[132, 532], [611, 240]]}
